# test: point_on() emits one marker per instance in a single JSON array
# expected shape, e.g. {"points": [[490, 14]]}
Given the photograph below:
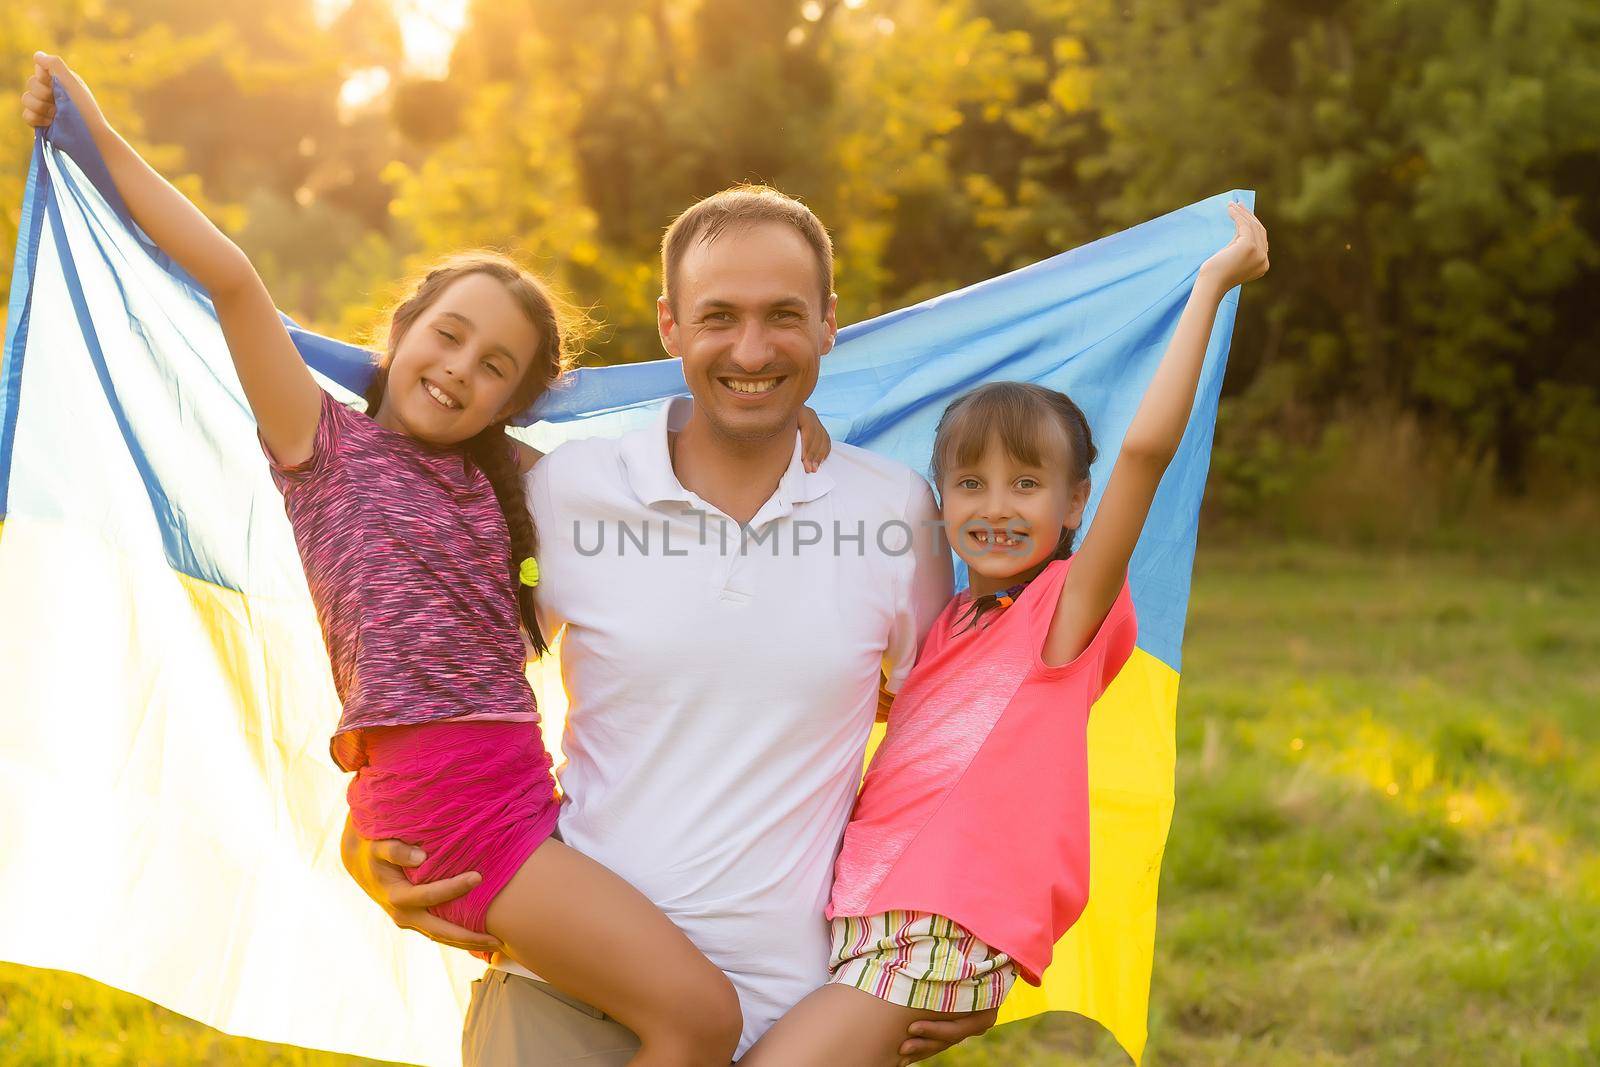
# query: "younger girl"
{"points": [[936, 906], [406, 518]]}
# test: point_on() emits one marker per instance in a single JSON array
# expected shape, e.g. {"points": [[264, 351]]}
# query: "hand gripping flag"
{"points": [[169, 817]]}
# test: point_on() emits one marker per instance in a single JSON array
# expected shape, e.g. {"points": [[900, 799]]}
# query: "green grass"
{"points": [[1386, 847]]}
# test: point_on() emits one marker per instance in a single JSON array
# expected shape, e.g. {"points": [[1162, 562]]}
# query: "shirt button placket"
{"points": [[714, 537], [732, 547]]}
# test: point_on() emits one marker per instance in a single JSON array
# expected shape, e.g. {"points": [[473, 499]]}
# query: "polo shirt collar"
{"points": [[647, 462]]}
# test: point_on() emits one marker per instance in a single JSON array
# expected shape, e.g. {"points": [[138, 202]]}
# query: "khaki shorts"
{"points": [[514, 1020]]}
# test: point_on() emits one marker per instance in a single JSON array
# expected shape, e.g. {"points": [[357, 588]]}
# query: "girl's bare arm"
{"points": [[1149, 445], [282, 394]]}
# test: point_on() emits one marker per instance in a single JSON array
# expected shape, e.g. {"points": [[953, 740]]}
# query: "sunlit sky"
{"points": [[428, 30]]}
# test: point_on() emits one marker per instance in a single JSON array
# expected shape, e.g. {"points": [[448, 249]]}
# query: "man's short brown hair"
{"points": [[743, 205]]}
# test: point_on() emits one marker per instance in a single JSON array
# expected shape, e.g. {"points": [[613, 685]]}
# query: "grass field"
{"points": [[1386, 847]]}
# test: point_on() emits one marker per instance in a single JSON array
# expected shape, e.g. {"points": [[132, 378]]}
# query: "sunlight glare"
{"points": [[428, 30], [362, 88]]}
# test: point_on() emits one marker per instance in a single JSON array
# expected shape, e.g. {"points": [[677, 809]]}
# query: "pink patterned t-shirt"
{"points": [[408, 561], [980, 726]]}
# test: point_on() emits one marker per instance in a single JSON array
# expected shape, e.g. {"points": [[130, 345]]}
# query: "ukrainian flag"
{"points": [[171, 818]]}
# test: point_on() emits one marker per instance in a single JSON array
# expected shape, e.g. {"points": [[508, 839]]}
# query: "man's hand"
{"points": [[933, 1036], [377, 867]]}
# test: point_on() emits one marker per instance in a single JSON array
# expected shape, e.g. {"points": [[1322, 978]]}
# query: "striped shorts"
{"points": [[919, 960]]}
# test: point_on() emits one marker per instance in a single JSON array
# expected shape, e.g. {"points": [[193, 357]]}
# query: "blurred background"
{"points": [[1387, 840]]}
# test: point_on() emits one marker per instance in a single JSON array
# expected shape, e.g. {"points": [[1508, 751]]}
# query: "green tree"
{"points": [[1426, 170]]}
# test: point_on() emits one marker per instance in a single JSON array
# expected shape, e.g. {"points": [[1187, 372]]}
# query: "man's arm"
{"points": [[526, 455], [926, 585]]}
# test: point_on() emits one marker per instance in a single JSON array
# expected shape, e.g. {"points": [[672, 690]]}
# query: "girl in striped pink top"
{"points": [[418, 550], [939, 901]]}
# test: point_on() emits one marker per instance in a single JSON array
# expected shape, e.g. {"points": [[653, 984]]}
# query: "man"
{"points": [[729, 620]]}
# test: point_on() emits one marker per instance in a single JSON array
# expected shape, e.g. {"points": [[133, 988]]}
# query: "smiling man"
{"points": [[724, 668], [748, 305]]}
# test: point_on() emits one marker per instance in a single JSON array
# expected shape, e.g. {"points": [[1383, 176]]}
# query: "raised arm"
{"points": [[1151, 442], [282, 394]]}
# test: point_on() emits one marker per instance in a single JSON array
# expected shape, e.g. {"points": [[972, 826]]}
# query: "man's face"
{"points": [[750, 322]]}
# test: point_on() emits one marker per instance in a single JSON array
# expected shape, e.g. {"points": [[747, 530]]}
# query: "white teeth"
{"points": [[766, 385], [439, 395]]}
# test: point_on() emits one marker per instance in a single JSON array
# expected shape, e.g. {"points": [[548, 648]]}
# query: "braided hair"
{"points": [[558, 326], [1027, 420]]}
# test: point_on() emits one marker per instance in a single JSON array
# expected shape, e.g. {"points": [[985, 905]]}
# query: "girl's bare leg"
{"points": [[835, 1026], [586, 931]]}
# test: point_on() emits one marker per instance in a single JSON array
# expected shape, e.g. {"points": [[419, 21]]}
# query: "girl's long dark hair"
{"points": [[1027, 420], [557, 327]]}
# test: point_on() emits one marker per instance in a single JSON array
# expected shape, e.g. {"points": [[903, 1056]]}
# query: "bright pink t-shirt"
{"points": [[981, 732]]}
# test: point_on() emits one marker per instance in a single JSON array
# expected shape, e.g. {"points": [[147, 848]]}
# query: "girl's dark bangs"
{"points": [[1019, 419]]}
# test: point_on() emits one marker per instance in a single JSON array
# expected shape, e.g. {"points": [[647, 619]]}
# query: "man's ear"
{"points": [[667, 326], [830, 323]]}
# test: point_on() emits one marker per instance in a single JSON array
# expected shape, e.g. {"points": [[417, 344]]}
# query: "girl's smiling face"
{"points": [[457, 368], [1005, 514]]}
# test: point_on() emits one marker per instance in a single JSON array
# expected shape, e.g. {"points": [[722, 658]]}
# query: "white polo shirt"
{"points": [[722, 682]]}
